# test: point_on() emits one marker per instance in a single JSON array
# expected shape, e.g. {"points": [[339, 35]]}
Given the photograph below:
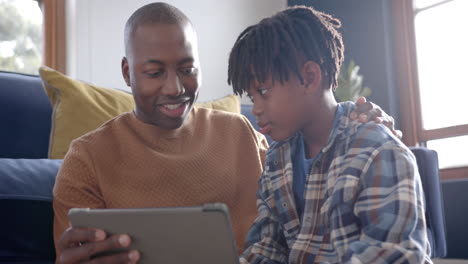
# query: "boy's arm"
{"points": [[390, 208], [265, 239]]}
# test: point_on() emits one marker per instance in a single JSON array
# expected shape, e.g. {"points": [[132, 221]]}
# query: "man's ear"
{"points": [[312, 76], [125, 71]]}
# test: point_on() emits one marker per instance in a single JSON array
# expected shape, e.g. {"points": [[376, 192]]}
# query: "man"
{"points": [[164, 153]]}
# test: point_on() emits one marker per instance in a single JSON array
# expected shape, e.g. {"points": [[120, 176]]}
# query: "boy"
{"points": [[333, 190]]}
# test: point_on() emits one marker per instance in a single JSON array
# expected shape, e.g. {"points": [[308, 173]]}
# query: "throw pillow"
{"points": [[229, 103], [79, 108]]}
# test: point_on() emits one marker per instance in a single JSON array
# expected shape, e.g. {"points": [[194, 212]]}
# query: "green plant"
{"points": [[350, 83]]}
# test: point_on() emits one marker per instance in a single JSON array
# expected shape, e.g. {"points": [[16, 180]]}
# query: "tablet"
{"points": [[168, 235]]}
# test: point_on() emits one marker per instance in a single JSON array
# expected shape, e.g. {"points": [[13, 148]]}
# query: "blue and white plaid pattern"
{"points": [[363, 202]]}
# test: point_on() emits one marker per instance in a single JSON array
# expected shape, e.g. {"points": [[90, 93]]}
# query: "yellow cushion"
{"points": [[79, 107], [229, 103]]}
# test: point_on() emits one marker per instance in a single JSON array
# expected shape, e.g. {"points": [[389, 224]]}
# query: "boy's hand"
{"points": [[79, 245], [367, 111]]}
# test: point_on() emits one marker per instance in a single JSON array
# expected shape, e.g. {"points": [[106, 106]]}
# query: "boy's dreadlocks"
{"points": [[278, 45]]}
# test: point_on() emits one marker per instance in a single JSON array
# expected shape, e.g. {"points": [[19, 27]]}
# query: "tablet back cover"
{"points": [[168, 235]]}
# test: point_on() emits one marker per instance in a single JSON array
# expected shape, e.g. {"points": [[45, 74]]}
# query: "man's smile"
{"points": [[174, 110]]}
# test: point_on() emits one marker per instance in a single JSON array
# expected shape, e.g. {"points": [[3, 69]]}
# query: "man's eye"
{"points": [[154, 74], [189, 71]]}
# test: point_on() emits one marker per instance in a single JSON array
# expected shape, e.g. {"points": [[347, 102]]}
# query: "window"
{"points": [[32, 33], [20, 36], [431, 61]]}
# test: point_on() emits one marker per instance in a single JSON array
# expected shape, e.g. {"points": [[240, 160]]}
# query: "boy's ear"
{"points": [[312, 76]]}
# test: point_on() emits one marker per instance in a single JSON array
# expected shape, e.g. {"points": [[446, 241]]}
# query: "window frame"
{"points": [[407, 78], [54, 35]]}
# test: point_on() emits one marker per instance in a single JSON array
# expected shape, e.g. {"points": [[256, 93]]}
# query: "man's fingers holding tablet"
{"points": [[126, 257], [75, 236], [81, 244]]}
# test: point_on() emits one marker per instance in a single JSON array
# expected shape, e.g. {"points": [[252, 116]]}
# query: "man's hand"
{"points": [[79, 245], [367, 111]]}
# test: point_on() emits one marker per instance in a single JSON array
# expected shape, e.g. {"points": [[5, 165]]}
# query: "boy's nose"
{"points": [[257, 108]]}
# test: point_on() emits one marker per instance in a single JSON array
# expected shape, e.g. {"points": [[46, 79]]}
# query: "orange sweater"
{"points": [[214, 157]]}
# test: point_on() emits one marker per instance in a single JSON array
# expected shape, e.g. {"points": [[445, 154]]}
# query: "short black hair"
{"points": [[277, 45], [153, 13]]}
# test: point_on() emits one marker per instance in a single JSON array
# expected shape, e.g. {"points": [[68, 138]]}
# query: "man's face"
{"points": [[281, 109], [162, 68]]}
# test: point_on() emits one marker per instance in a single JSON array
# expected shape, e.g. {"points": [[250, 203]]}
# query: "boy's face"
{"points": [[281, 109], [163, 70]]}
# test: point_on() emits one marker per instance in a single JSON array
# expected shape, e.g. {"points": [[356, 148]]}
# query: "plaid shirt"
{"points": [[363, 202]]}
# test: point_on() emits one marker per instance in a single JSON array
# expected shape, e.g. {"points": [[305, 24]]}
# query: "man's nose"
{"points": [[173, 85]]}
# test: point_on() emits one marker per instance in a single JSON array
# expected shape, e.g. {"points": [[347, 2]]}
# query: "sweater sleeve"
{"points": [[263, 147], [75, 186], [260, 140]]}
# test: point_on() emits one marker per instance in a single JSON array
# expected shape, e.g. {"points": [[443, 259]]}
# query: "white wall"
{"points": [[95, 37]]}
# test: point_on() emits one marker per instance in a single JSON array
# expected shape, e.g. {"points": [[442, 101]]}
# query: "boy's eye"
{"points": [[189, 71], [263, 91]]}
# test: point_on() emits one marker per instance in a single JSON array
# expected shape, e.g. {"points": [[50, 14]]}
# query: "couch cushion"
{"points": [[428, 167], [456, 215], [24, 117], [229, 103], [79, 107], [26, 223]]}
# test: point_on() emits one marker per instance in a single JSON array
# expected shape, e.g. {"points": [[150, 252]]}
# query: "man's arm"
{"points": [[265, 240], [76, 187], [390, 209]]}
